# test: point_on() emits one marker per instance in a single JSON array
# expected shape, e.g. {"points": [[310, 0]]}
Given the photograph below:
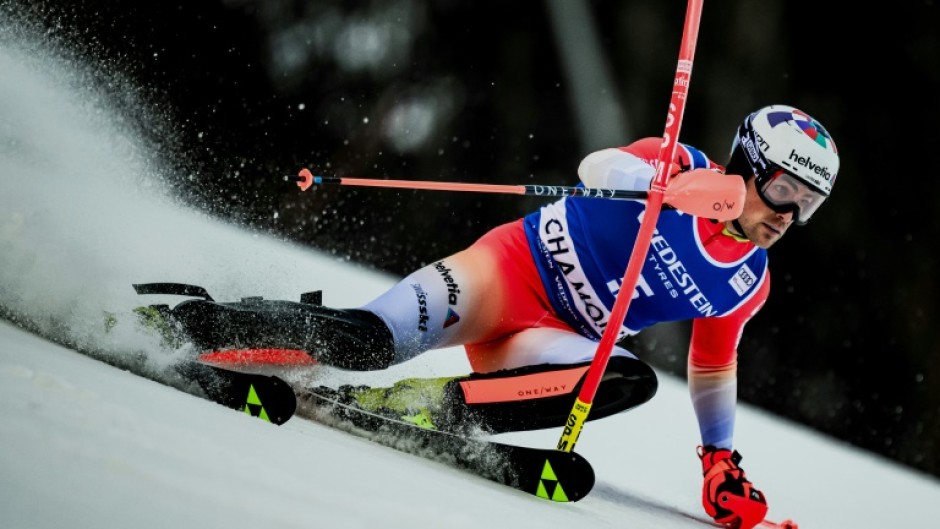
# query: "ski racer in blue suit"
{"points": [[530, 300]]}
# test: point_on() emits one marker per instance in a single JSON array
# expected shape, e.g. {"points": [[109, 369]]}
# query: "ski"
{"points": [[545, 473], [266, 397], [253, 333]]}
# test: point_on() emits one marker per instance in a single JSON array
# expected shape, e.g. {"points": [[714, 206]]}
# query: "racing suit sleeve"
{"points": [[633, 167], [616, 169], [712, 374]]}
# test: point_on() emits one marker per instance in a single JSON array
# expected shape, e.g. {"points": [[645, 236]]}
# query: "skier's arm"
{"points": [[630, 168], [713, 369], [727, 494], [633, 167]]}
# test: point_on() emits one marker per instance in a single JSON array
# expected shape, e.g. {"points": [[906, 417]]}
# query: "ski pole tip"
{"points": [[304, 179]]}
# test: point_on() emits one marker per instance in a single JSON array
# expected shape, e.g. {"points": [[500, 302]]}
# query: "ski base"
{"points": [[545, 473]]}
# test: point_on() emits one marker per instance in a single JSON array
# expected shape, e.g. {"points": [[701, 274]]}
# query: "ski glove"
{"points": [[728, 497]]}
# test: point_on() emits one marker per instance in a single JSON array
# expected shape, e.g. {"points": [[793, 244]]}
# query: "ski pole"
{"points": [[701, 192], [667, 152]]}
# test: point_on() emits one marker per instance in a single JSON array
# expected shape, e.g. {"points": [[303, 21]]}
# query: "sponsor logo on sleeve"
{"points": [[422, 307], [453, 290], [742, 280]]}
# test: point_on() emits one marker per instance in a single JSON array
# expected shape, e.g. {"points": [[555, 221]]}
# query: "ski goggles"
{"points": [[783, 192]]}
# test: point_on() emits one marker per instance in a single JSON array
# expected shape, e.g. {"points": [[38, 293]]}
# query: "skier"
{"points": [[531, 298]]}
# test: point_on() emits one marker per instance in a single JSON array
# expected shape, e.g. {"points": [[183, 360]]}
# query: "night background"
{"points": [[234, 95]]}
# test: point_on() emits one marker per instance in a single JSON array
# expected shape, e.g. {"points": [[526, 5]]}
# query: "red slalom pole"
{"points": [[654, 202]]}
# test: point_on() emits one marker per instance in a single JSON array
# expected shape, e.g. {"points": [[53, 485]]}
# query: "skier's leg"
{"points": [[530, 381], [473, 295], [523, 382], [542, 396], [483, 293]]}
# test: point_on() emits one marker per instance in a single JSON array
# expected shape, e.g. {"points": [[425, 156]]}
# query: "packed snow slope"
{"points": [[85, 444]]}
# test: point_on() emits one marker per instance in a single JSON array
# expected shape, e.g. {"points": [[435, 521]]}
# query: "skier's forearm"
{"points": [[714, 398]]}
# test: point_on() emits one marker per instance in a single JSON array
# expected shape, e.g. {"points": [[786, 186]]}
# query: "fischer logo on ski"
{"points": [[550, 481], [253, 405]]}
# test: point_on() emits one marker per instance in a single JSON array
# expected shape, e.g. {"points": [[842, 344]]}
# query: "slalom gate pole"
{"points": [[654, 202]]}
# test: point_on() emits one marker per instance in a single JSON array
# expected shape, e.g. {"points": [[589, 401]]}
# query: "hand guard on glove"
{"points": [[728, 497]]}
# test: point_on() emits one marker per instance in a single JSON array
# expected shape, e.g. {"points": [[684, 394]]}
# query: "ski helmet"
{"points": [[792, 157]]}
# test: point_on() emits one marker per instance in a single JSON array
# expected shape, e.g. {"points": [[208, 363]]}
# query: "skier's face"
{"points": [[762, 225]]}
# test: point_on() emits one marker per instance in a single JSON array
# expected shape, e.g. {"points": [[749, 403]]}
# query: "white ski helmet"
{"points": [[792, 157]]}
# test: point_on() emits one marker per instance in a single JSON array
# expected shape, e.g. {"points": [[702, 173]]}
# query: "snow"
{"points": [[86, 444]]}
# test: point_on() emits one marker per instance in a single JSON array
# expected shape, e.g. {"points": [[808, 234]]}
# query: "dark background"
{"points": [[237, 94]]}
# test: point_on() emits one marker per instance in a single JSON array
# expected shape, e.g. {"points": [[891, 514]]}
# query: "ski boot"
{"points": [[419, 401], [345, 338]]}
